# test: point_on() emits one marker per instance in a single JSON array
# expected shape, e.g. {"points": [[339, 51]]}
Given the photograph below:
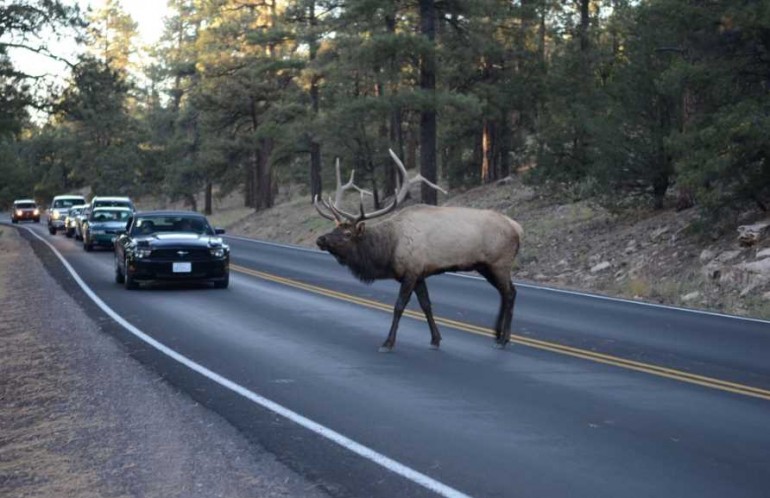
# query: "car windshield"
{"points": [[115, 203], [110, 215], [66, 203], [146, 225], [25, 205]]}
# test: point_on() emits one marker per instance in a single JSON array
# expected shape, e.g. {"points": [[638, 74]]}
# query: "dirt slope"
{"points": [[663, 256]]}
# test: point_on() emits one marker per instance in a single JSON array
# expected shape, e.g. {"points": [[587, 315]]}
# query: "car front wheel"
{"points": [[52, 230], [119, 277], [128, 280]]}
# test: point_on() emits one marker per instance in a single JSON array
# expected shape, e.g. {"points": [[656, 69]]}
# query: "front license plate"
{"points": [[184, 267]]}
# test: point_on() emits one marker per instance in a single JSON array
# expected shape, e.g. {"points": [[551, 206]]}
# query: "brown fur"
{"points": [[421, 241]]}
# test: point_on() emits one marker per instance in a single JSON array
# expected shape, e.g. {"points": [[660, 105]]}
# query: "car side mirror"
{"points": [[219, 231]]}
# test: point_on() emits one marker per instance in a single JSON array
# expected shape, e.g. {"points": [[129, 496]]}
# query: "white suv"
{"points": [[57, 211]]}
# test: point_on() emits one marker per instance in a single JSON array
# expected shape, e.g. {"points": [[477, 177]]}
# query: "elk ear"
{"points": [[360, 228]]}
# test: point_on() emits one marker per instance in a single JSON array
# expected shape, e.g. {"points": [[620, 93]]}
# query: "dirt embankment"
{"points": [[665, 256], [80, 418]]}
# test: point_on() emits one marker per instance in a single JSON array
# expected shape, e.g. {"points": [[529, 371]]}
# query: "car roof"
{"points": [[110, 198], [111, 208], [24, 200], [169, 213], [69, 196]]}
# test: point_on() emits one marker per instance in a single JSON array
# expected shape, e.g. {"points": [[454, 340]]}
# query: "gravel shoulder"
{"points": [[81, 418]]}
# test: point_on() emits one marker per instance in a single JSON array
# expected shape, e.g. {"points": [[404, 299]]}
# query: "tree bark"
{"points": [[207, 201], [265, 197], [428, 114], [316, 185]]}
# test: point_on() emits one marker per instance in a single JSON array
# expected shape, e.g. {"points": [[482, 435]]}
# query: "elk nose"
{"points": [[321, 242]]}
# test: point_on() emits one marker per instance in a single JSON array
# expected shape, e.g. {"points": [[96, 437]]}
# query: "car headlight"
{"points": [[36, 212], [19, 212], [218, 252], [55, 214], [142, 252]]}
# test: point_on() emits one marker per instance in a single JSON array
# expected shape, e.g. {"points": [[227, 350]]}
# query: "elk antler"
{"points": [[403, 190], [333, 206]]}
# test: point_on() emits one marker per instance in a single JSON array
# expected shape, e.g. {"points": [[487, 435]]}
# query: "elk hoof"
{"points": [[385, 349], [434, 347], [500, 345]]}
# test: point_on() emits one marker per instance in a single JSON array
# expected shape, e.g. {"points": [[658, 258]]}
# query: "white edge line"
{"points": [[538, 287], [345, 442]]}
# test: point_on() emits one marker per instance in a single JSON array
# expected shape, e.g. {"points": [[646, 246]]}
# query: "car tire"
{"points": [[52, 230], [128, 280], [223, 282], [37, 220], [119, 277], [14, 221], [68, 233]]}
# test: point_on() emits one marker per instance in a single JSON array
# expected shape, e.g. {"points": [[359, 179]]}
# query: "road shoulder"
{"points": [[80, 417]]}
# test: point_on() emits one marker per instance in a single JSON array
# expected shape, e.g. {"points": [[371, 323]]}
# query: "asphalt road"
{"points": [[596, 397]]}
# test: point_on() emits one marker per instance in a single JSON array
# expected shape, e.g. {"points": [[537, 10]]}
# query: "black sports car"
{"points": [[171, 245]]}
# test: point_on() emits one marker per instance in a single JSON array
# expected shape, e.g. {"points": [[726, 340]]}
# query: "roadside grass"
{"points": [[227, 217]]}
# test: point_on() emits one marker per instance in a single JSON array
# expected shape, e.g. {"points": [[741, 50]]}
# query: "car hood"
{"points": [[174, 239], [107, 225]]}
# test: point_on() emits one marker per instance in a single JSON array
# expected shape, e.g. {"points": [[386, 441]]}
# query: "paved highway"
{"points": [[595, 397]]}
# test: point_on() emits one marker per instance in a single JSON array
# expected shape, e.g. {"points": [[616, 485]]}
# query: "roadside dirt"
{"points": [[81, 418], [666, 256]]}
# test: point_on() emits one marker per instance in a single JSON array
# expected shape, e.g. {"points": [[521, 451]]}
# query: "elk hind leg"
{"points": [[421, 289], [501, 280], [404, 293], [489, 275]]}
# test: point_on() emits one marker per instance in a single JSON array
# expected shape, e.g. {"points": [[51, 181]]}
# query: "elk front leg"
{"points": [[407, 286], [421, 289]]}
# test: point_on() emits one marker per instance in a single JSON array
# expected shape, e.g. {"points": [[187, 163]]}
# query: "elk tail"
{"points": [[517, 228]]}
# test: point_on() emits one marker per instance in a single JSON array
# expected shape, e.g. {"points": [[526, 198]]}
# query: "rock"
{"points": [[707, 255], [749, 235], [728, 256], [690, 297], [600, 267], [761, 267], [764, 253], [766, 296], [657, 233]]}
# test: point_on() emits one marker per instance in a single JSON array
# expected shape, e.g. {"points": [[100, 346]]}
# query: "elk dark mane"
{"points": [[372, 257]]}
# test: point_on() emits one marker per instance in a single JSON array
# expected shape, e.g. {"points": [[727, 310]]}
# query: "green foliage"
{"points": [[618, 100]]}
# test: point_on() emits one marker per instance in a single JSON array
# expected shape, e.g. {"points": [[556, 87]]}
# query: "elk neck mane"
{"points": [[373, 256]]}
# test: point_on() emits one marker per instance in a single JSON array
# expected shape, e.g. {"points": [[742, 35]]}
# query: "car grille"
{"points": [[173, 254]]}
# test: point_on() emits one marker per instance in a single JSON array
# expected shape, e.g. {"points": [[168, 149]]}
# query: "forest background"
{"points": [[620, 100]]}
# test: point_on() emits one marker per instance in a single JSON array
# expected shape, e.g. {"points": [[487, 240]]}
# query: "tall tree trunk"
{"points": [[504, 145], [395, 134], [265, 195], [487, 166], [316, 185], [207, 207], [428, 115], [585, 19]]}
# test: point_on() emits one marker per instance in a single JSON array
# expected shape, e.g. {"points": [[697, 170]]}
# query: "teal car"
{"points": [[104, 225]]}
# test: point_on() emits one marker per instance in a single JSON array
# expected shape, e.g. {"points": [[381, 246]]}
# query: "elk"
{"points": [[420, 241]]}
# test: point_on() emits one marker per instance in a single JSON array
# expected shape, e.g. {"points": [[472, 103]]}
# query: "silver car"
{"points": [[57, 211]]}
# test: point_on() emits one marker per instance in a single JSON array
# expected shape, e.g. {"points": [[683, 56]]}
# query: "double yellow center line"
{"points": [[518, 339]]}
